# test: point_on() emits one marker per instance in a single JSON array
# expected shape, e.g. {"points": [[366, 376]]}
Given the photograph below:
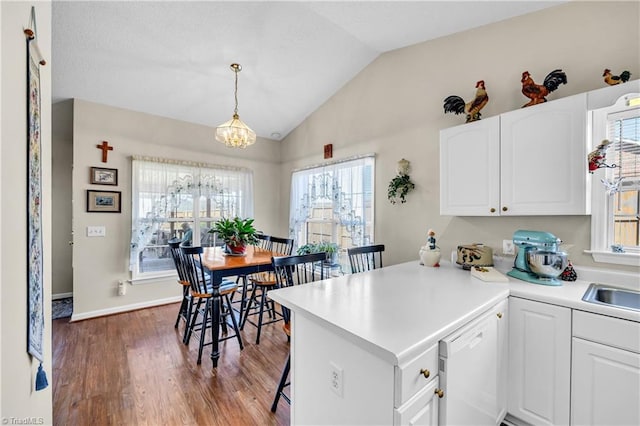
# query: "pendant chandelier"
{"points": [[234, 133]]}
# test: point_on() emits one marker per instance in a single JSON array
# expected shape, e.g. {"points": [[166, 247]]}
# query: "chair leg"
{"points": [[183, 307], [194, 317], [203, 330], [235, 322], [263, 301], [281, 385], [248, 307], [187, 327]]}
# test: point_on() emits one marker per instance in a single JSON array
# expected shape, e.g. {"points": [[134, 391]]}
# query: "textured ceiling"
{"points": [[172, 58]]}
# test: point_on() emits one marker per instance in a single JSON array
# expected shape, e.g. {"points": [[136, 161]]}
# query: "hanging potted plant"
{"points": [[236, 233], [401, 184]]}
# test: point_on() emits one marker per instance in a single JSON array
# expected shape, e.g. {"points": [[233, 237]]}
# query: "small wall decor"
{"points": [[538, 92], [102, 176], [596, 158], [612, 80], [103, 201], [457, 105], [400, 185], [328, 151], [104, 146]]}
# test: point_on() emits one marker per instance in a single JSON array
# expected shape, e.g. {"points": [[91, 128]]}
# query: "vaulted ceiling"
{"points": [[172, 58]]}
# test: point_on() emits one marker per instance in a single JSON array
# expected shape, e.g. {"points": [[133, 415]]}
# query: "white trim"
{"points": [[125, 308], [58, 296], [629, 259], [154, 278]]}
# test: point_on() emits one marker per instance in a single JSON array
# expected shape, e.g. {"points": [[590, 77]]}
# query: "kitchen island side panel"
{"points": [[366, 397]]}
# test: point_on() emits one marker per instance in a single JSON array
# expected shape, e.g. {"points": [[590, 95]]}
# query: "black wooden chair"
{"points": [[288, 271], [176, 254], [262, 282], [264, 243], [201, 292], [365, 258]]}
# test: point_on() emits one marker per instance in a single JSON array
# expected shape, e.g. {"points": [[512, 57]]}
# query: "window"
{"points": [[333, 203], [182, 200], [615, 233]]}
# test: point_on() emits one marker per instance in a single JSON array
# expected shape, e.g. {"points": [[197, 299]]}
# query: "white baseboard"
{"points": [[125, 308], [61, 295]]}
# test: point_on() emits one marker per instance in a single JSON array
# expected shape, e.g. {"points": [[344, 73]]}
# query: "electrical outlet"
{"points": [[122, 288], [335, 379], [507, 247]]}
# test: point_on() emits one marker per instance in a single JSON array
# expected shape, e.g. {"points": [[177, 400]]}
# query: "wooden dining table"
{"points": [[220, 265]]}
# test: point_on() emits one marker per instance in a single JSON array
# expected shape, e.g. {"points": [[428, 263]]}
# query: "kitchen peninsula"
{"points": [[368, 348]]}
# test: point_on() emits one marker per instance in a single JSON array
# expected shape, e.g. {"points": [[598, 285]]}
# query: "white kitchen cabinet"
{"points": [[605, 379], [530, 161], [539, 362], [470, 169]]}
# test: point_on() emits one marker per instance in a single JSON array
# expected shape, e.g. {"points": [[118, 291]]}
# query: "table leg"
{"points": [[215, 325]]}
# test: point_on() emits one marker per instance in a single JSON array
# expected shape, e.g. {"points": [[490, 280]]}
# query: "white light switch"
{"points": [[96, 231]]}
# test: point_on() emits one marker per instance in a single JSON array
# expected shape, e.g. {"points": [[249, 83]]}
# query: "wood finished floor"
{"points": [[132, 369]]}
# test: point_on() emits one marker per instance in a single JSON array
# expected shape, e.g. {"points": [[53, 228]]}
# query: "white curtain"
{"points": [[339, 195], [160, 187]]}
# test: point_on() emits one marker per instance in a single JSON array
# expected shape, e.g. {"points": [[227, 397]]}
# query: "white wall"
{"points": [[98, 263], [394, 108], [18, 398]]}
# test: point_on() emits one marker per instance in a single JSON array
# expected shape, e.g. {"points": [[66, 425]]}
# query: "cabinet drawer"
{"points": [[422, 409], [409, 378], [623, 334]]}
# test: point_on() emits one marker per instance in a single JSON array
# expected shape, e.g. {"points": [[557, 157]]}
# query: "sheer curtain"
{"points": [[333, 203], [169, 197]]}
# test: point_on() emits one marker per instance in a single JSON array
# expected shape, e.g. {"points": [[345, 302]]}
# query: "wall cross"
{"points": [[104, 146]]}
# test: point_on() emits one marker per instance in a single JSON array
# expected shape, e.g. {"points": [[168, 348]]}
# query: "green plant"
{"points": [[235, 232], [331, 249], [399, 187]]}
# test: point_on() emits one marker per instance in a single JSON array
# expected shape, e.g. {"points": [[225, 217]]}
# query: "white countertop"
{"points": [[399, 311]]}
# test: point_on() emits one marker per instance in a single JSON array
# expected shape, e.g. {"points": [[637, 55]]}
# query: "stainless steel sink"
{"points": [[612, 296]]}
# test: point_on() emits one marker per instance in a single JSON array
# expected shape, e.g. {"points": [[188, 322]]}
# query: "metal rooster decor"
{"points": [[596, 158], [457, 105], [538, 92], [612, 80]]}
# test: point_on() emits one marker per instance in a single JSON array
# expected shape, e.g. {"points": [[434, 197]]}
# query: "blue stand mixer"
{"points": [[538, 259]]}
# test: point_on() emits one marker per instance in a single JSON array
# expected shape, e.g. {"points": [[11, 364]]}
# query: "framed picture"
{"points": [[103, 201], [102, 176]]}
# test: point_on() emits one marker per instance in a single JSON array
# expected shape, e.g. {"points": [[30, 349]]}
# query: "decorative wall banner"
{"points": [[35, 326]]}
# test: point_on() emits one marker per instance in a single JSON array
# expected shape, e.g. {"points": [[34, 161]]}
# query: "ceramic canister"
{"points": [[474, 255]]}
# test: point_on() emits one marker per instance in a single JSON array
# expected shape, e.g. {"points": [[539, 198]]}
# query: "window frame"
{"points": [[204, 172], [601, 203]]}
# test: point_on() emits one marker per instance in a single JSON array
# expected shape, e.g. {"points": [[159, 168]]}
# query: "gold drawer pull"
{"points": [[439, 392], [426, 373], [499, 314]]}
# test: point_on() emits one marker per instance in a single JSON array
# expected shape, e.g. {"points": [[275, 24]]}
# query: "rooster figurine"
{"points": [[596, 158], [612, 80], [538, 92], [457, 105]]}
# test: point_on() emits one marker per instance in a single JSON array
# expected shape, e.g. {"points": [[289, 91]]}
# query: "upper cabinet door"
{"points": [[470, 169], [544, 158]]}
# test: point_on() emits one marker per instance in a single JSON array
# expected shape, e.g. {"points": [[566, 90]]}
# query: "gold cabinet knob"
{"points": [[426, 373], [504, 209], [439, 392], [499, 314], [492, 210]]}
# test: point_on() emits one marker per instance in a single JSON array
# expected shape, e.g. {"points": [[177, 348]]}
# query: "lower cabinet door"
{"points": [[605, 387], [421, 409]]}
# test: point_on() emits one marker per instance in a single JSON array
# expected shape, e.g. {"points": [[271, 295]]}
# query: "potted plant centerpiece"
{"points": [[236, 233]]}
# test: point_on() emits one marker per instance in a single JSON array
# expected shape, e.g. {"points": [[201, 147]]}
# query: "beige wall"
{"points": [[394, 108], [18, 398], [98, 263]]}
